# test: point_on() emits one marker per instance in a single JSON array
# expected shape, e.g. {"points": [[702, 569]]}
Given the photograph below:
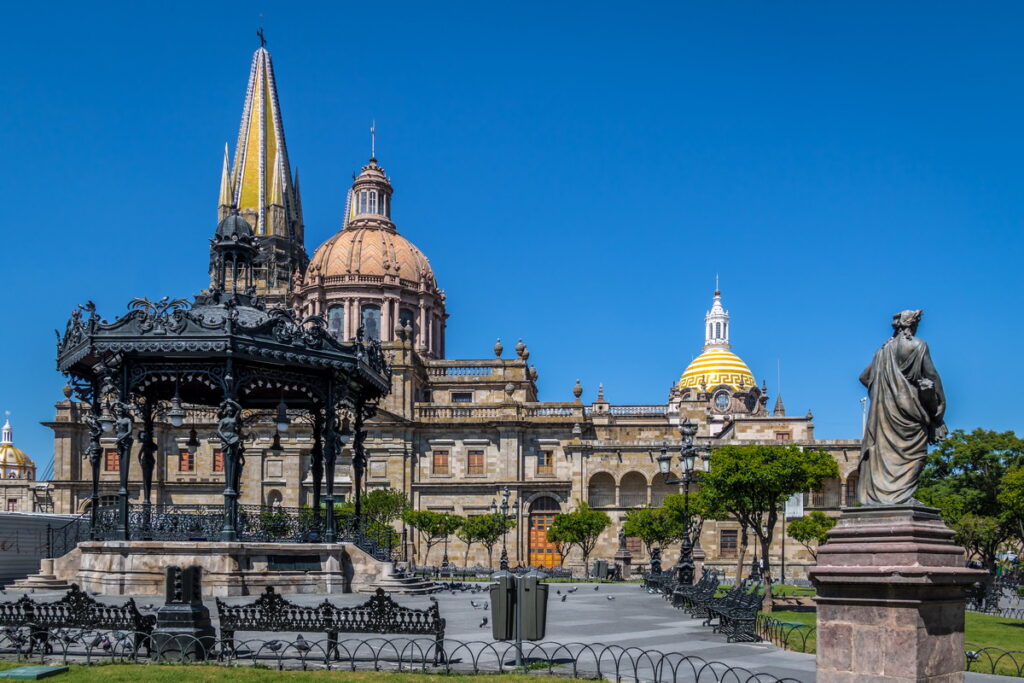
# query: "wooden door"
{"points": [[543, 552]]}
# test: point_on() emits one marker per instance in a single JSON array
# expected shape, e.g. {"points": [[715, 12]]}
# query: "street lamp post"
{"points": [[505, 516], [687, 458]]}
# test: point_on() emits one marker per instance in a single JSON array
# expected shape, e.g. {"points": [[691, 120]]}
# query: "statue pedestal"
{"points": [[891, 584]]}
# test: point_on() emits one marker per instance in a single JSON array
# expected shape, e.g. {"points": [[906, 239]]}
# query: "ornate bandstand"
{"points": [[229, 352]]}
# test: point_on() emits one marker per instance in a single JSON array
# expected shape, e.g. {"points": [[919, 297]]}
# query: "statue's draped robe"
{"points": [[901, 421]]}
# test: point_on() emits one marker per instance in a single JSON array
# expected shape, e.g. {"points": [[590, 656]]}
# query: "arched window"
{"points": [[601, 491], [371, 322], [633, 490], [851, 489], [718, 330], [659, 489], [827, 496], [336, 322]]}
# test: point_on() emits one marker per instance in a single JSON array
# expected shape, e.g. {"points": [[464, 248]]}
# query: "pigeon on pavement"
{"points": [[483, 623], [564, 597], [610, 597]]}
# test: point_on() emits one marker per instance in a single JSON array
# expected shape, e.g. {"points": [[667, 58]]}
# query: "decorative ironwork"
{"points": [[224, 349], [75, 610], [379, 614]]}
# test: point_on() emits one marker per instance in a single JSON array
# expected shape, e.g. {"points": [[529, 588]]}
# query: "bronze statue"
{"points": [[907, 406]]}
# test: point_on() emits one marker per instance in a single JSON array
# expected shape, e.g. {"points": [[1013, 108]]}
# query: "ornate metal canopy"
{"points": [[224, 349]]}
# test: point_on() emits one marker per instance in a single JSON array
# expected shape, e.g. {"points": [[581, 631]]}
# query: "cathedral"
{"points": [[452, 433]]}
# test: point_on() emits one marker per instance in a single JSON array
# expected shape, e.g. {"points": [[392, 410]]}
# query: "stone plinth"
{"points": [[891, 584], [138, 567]]}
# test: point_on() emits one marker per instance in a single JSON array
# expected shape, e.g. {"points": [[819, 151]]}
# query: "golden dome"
{"points": [[714, 367], [14, 463], [368, 253], [13, 457]]}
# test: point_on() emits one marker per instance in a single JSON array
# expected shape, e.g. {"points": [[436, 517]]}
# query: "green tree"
{"points": [[486, 530], [653, 526], [964, 477], [433, 527], [380, 509], [811, 530], [581, 528], [752, 484], [1011, 497]]}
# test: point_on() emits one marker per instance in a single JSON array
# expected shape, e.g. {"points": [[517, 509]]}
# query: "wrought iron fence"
{"points": [[255, 523], [381, 654]]}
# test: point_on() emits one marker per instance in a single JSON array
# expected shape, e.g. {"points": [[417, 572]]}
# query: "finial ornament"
{"points": [[373, 140], [498, 348], [907, 407], [259, 33]]}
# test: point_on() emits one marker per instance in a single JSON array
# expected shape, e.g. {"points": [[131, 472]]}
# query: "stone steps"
{"points": [[401, 584], [46, 582]]}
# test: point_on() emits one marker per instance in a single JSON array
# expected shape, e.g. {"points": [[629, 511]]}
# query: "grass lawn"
{"points": [[133, 673], [980, 631]]}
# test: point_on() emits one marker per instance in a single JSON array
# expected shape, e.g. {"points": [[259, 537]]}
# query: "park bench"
{"points": [[76, 610], [379, 614], [700, 606], [738, 620], [684, 596], [655, 582]]}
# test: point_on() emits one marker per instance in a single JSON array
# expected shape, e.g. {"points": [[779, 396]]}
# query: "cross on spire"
{"points": [[373, 139], [263, 40]]}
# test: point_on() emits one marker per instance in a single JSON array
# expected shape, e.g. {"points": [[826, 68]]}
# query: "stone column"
{"points": [[891, 586]]}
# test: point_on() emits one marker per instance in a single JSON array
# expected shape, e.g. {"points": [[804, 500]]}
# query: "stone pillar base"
{"points": [[891, 585]]}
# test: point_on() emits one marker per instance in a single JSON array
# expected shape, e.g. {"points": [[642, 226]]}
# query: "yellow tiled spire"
{"points": [[261, 154], [259, 185]]}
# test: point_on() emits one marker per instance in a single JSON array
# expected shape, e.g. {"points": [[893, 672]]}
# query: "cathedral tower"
{"points": [[261, 186]]}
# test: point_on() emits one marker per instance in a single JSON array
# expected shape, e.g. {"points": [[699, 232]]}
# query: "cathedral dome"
{"points": [[715, 367], [357, 252], [14, 462]]}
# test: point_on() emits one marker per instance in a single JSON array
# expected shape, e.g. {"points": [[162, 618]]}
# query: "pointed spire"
{"points": [[780, 407], [7, 438], [261, 152], [716, 323], [227, 191]]}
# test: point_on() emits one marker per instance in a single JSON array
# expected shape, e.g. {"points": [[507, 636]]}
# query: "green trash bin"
{"points": [[503, 608], [533, 599]]}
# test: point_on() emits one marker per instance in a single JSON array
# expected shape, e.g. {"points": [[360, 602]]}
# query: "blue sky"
{"points": [[577, 174]]}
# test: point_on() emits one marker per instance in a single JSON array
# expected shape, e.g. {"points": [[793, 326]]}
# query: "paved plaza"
{"points": [[611, 614]]}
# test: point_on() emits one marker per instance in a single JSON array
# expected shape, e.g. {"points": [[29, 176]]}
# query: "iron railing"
{"points": [[255, 523]]}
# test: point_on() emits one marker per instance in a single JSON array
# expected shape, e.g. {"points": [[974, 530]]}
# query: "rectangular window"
{"points": [[545, 462], [186, 461], [441, 462], [462, 397], [111, 463], [783, 436], [12, 504], [727, 546], [362, 201], [373, 202], [475, 462], [218, 460]]}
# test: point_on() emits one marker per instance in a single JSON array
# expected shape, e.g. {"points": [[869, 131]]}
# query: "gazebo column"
{"points": [[330, 448], [92, 421], [147, 459], [123, 425], [229, 429], [316, 456], [358, 463]]}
